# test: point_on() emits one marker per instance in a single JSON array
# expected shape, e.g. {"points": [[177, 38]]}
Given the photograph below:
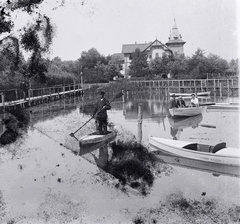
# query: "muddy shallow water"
{"points": [[43, 180]]}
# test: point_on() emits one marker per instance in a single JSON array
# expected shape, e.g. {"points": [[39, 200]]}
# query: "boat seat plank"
{"points": [[193, 146], [218, 147]]}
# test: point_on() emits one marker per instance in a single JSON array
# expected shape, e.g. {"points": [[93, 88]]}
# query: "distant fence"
{"points": [[227, 87]]}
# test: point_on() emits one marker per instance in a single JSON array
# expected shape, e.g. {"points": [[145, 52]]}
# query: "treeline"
{"points": [[198, 66], [91, 67]]}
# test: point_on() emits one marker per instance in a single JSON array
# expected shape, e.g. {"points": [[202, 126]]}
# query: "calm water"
{"points": [[58, 119], [213, 126]]}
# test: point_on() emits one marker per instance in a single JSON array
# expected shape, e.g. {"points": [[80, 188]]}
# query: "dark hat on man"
{"points": [[101, 91], [193, 94], [173, 95]]}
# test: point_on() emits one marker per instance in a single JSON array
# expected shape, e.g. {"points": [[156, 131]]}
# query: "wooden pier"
{"points": [[220, 87], [15, 97]]}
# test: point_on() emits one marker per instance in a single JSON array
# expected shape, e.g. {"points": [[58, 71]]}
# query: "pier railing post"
{"points": [[139, 123], [29, 97], [3, 102], [220, 87]]}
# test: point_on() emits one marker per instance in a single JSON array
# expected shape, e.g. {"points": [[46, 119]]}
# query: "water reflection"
{"points": [[214, 168], [178, 124], [13, 124], [151, 110], [130, 162]]}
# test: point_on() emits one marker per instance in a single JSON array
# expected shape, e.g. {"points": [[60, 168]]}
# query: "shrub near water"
{"points": [[132, 164], [15, 123]]}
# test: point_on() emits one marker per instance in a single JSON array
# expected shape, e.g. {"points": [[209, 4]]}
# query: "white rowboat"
{"points": [[186, 111], [220, 153]]}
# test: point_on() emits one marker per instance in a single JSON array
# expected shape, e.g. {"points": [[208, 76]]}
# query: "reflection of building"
{"points": [[154, 49]]}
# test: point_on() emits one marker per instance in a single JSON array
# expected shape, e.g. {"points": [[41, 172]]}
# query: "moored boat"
{"points": [[186, 111], [189, 94], [95, 137], [220, 153]]}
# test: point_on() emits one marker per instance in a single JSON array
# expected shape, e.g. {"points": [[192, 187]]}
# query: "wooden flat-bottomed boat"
{"points": [[186, 111], [95, 138], [220, 153], [189, 94]]}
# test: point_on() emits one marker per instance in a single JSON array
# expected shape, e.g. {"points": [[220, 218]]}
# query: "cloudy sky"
{"points": [[108, 24]]}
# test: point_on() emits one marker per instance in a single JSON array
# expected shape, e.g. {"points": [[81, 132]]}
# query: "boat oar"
{"points": [[117, 96], [207, 104], [207, 126]]}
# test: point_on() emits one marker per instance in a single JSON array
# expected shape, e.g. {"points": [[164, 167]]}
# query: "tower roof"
{"points": [[175, 36]]}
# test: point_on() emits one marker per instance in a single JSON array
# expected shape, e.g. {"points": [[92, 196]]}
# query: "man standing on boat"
{"points": [[194, 101], [100, 112], [173, 102]]}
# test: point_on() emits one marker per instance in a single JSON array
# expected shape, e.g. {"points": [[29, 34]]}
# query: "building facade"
{"points": [[154, 49]]}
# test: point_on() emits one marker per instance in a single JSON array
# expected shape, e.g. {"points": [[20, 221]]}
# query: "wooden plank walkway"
{"points": [[29, 101]]}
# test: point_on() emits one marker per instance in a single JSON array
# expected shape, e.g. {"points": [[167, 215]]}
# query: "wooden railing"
{"points": [[219, 86], [13, 97]]}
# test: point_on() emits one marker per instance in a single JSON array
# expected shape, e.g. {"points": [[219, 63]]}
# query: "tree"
{"points": [[177, 65], [139, 65], [113, 68], [198, 65], [33, 37], [156, 66], [233, 66], [90, 58], [216, 64]]}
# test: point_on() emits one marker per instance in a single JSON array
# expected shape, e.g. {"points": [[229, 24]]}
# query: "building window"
{"points": [[150, 56], [156, 55]]}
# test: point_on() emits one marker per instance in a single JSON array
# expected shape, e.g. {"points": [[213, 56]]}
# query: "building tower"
{"points": [[175, 42]]}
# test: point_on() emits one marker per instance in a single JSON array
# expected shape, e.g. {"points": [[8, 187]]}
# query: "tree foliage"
{"points": [[139, 65], [34, 37], [156, 66], [177, 65], [113, 68]]}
